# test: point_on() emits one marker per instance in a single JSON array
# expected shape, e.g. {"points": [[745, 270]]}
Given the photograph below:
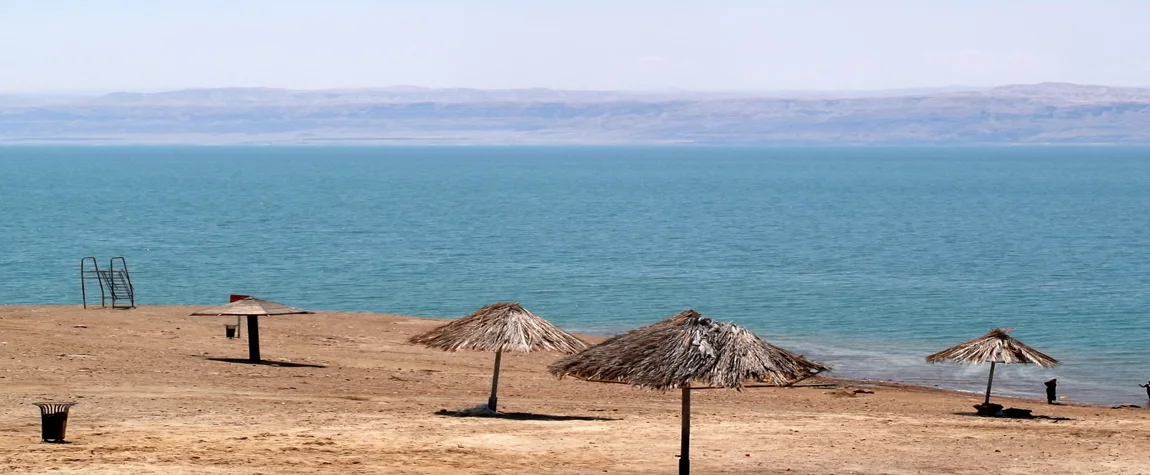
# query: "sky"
{"points": [[716, 45]]}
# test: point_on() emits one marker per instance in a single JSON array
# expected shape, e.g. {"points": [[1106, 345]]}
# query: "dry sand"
{"points": [[150, 402]]}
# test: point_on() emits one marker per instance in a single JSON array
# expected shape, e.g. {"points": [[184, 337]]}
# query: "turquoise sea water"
{"points": [[867, 258]]}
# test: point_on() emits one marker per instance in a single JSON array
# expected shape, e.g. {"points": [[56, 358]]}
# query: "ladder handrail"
{"points": [[83, 286], [127, 278], [108, 277]]}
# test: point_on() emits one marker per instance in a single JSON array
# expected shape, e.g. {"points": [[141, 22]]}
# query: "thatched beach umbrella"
{"points": [[994, 347], [253, 308], [683, 350], [499, 327]]}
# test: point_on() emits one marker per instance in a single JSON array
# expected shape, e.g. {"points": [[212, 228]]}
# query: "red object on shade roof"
{"points": [[237, 297]]}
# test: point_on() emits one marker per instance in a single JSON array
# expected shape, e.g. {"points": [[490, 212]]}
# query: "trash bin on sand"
{"points": [[54, 420], [230, 330]]}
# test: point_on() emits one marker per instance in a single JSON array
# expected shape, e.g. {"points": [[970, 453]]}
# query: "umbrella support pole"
{"points": [[253, 339], [989, 383], [685, 438], [491, 401]]}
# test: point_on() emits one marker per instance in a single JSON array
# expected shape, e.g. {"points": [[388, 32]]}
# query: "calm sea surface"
{"points": [[867, 258]]}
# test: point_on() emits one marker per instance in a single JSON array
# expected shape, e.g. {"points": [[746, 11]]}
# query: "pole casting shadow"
{"points": [[522, 416], [282, 364], [1032, 418]]}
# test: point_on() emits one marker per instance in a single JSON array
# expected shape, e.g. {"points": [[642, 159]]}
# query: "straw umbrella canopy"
{"points": [[995, 347], [687, 349], [253, 308], [499, 327]]}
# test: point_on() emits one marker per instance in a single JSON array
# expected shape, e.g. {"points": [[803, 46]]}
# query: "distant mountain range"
{"points": [[1048, 113]]}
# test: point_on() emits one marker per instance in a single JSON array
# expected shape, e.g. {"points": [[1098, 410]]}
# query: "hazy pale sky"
{"points": [[99, 45]]}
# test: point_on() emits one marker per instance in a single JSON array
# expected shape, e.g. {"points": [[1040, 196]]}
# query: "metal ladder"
{"points": [[115, 282]]}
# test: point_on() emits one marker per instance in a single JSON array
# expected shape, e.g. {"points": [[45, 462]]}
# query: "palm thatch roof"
{"points": [[684, 349], [502, 326], [997, 346], [251, 306]]}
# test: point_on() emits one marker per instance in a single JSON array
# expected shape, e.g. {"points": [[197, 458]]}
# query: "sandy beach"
{"points": [[362, 401]]}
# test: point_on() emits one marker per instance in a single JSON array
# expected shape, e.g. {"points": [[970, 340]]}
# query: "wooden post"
{"points": [[493, 399], [989, 383], [253, 339], [685, 438]]}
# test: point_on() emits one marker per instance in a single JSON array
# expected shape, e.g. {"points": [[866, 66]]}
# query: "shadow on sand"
{"points": [[1021, 418], [282, 364], [521, 416]]}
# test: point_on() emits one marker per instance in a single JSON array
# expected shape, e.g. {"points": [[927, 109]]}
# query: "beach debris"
{"points": [[684, 350], [79, 326], [997, 410], [1127, 406], [846, 393], [499, 327], [997, 346], [987, 409], [1016, 413]]}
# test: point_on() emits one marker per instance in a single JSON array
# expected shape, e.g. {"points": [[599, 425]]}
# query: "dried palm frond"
{"points": [[503, 326], [997, 346], [250, 306], [684, 349]]}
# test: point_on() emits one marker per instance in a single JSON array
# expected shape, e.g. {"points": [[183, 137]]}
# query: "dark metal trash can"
{"points": [[54, 420], [230, 330]]}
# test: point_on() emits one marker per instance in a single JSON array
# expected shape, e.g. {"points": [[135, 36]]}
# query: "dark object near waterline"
{"points": [[115, 282], [994, 347], [987, 409], [684, 349], [54, 420], [253, 308], [1051, 390], [996, 410], [1147, 386], [1016, 413]]}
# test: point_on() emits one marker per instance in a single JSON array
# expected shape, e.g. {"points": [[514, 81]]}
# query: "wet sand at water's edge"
{"points": [[363, 401]]}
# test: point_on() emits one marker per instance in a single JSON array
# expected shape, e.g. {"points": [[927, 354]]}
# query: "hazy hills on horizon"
{"points": [[1048, 113]]}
